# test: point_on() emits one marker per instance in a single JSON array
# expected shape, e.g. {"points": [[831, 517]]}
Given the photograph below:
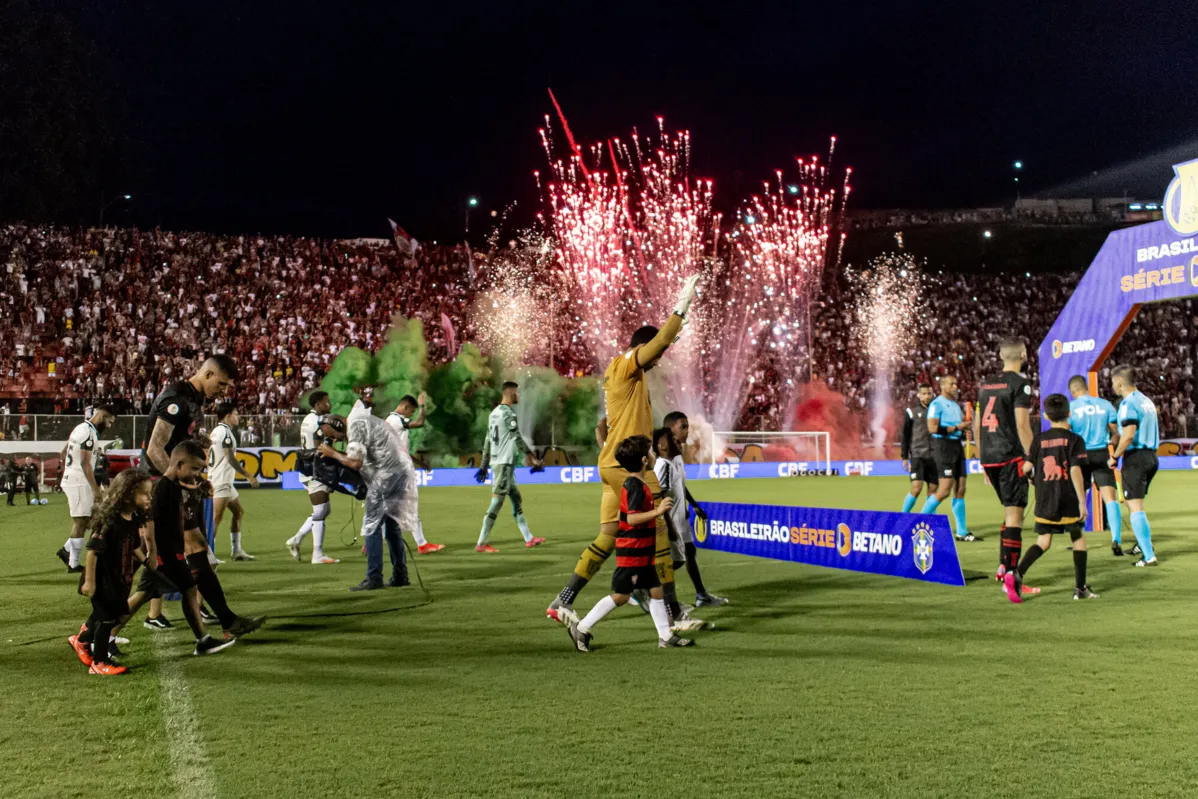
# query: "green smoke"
{"points": [[463, 392], [401, 367], [352, 367]]}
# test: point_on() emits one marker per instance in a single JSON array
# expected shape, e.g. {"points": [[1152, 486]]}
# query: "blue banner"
{"points": [[909, 545], [559, 475]]}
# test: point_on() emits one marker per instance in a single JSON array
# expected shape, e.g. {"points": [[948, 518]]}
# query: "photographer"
{"points": [[374, 451]]}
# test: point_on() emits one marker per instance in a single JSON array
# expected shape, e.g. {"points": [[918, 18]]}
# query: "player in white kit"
{"points": [[79, 480], [668, 441], [409, 415], [223, 468], [318, 492]]}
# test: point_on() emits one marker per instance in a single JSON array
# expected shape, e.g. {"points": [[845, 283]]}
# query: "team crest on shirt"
{"points": [[172, 409], [921, 547]]}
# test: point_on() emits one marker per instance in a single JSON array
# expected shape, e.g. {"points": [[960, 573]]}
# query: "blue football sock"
{"points": [[959, 515], [931, 505], [1114, 516], [909, 503], [1139, 526]]}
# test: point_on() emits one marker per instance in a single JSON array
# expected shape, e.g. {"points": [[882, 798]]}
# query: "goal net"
{"points": [[813, 448]]}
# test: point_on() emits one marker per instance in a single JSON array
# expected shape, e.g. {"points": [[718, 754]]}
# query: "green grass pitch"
{"points": [[814, 682]]}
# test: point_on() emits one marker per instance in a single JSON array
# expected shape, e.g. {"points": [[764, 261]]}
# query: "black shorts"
{"points": [[1139, 467], [1095, 468], [924, 469], [170, 575], [626, 579], [1009, 483], [950, 458], [1073, 528]]}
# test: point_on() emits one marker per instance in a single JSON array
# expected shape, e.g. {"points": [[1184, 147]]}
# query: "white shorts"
{"points": [[80, 500], [315, 486], [224, 491]]}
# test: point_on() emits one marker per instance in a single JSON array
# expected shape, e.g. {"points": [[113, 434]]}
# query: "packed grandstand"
{"points": [[82, 310]]}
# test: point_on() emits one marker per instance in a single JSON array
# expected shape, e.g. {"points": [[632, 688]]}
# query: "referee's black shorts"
{"points": [[924, 469], [1095, 468], [1009, 482], [950, 458], [1139, 467]]}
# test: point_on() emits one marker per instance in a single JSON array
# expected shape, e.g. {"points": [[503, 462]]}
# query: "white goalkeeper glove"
{"points": [[686, 296]]}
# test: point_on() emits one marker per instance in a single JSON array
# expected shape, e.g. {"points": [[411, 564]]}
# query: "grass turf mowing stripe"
{"points": [[190, 769]]}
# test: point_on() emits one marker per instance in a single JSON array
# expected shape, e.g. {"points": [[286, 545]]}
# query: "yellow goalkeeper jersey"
{"points": [[629, 411]]}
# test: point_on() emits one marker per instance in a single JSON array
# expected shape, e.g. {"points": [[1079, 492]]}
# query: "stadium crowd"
{"points": [[96, 315]]}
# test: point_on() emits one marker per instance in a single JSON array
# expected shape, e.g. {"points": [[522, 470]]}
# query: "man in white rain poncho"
{"points": [[374, 451]]}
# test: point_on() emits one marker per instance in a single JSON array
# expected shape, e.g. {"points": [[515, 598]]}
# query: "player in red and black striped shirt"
{"points": [[635, 548]]}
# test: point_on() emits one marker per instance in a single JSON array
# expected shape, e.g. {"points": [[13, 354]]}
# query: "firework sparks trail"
{"points": [[889, 305], [631, 224], [515, 304]]}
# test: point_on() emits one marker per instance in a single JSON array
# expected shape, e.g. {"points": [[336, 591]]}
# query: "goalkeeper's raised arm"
{"points": [[656, 347]]}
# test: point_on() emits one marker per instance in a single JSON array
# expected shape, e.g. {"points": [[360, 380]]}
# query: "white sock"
{"points": [[418, 533], [74, 550], [211, 558], [661, 618], [602, 608], [303, 531], [317, 540], [236, 539]]}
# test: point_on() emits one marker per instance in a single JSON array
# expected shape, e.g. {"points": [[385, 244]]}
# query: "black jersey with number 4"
{"points": [[998, 397], [1054, 452], [180, 404]]}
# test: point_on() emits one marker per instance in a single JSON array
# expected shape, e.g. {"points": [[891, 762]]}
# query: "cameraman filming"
{"points": [[374, 452]]}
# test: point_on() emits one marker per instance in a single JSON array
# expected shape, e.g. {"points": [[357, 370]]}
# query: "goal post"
{"points": [[797, 446]]}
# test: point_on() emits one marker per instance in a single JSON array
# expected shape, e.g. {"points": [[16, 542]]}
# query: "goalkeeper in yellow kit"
{"points": [[629, 413]]}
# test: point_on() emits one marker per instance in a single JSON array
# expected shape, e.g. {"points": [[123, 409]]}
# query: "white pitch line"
{"points": [[189, 764]]}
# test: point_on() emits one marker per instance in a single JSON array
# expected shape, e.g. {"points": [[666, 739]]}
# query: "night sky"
{"points": [[311, 118]]}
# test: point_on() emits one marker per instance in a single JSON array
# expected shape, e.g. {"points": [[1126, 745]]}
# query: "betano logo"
{"points": [[1060, 348], [1181, 199], [849, 541]]}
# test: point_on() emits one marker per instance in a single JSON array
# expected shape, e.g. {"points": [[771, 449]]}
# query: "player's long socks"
{"points": [[931, 505], [522, 523], [489, 519], [958, 506], [909, 502], [100, 641], [74, 548], [1143, 533], [317, 540], [1010, 546], [671, 600], [1079, 568], [575, 584], [418, 533], [1031, 556], [1114, 516], [602, 608], [661, 619], [235, 538], [305, 528], [692, 569], [210, 588]]}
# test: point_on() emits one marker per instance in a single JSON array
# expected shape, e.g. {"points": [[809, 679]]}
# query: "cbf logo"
{"points": [[921, 547], [1181, 199]]}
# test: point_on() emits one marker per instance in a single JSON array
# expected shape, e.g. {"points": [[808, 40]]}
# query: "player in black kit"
{"points": [[916, 447], [1002, 428], [174, 417]]}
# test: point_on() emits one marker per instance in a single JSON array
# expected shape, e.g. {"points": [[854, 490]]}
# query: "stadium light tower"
{"points": [[471, 203]]}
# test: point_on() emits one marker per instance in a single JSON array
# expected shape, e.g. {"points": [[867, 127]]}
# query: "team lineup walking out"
{"points": [[629, 413]]}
